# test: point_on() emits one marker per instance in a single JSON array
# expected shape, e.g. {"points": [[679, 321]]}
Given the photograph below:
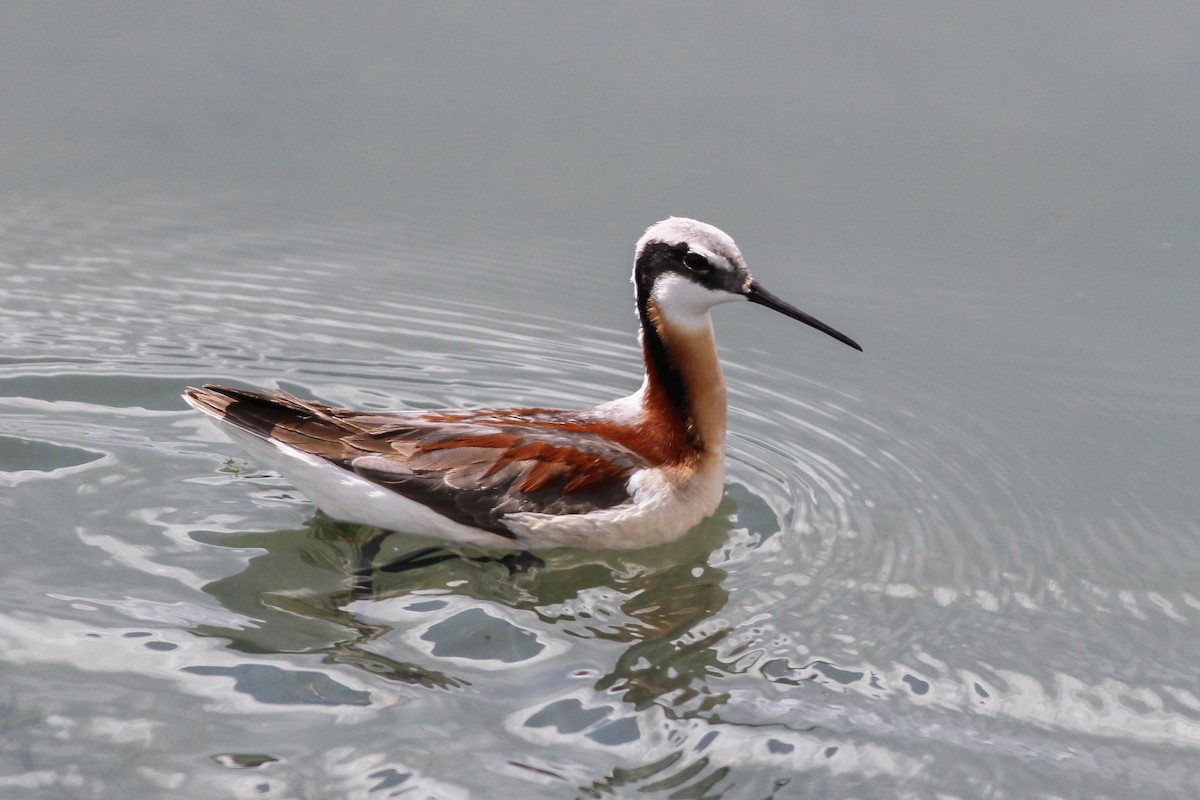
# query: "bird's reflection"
{"points": [[310, 590]]}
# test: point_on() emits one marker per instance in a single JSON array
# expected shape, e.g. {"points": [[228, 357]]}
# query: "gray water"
{"points": [[961, 564]]}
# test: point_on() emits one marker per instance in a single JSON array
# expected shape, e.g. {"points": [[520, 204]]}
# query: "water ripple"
{"points": [[881, 575]]}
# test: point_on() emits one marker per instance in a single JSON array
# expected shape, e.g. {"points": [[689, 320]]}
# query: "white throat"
{"points": [[686, 304]]}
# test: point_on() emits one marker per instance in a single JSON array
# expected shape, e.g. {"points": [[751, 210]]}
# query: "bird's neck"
{"points": [[684, 393]]}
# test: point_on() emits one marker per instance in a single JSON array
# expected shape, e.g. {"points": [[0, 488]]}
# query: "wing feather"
{"points": [[473, 467], [480, 477]]}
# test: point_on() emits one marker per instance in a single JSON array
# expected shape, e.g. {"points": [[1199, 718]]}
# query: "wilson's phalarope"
{"points": [[632, 472]]}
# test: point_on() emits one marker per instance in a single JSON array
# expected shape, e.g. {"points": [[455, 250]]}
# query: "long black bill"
{"points": [[757, 294]]}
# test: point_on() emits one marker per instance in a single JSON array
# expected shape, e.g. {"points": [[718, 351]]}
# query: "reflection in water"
{"points": [[456, 616], [294, 593], [448, 625], [302, 598]]}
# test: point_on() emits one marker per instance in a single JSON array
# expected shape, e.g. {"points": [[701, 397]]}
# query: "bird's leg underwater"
{"points": [[517, 563]]}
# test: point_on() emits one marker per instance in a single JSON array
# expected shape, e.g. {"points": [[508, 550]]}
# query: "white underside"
{"points": [[663, 509]]}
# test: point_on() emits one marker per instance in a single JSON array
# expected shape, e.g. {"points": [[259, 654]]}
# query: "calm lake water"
{"points": [[964, 563]]}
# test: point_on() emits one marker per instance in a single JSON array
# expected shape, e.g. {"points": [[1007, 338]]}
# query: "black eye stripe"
{"points": [[659, 259]]}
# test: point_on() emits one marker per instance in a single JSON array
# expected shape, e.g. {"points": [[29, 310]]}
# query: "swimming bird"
{"points": [[632, 472]]}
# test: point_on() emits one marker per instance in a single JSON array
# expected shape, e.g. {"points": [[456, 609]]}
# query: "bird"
{"points": [[629, 473]]}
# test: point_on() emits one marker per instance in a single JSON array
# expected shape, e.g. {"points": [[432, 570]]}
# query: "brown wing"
{"points": [[471, 467]]}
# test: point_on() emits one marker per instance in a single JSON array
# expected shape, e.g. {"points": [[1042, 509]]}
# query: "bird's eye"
{"points": [[696, 262]]}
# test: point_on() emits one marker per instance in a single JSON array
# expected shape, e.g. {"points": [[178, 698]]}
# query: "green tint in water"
{"points": [[20, 455]]}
